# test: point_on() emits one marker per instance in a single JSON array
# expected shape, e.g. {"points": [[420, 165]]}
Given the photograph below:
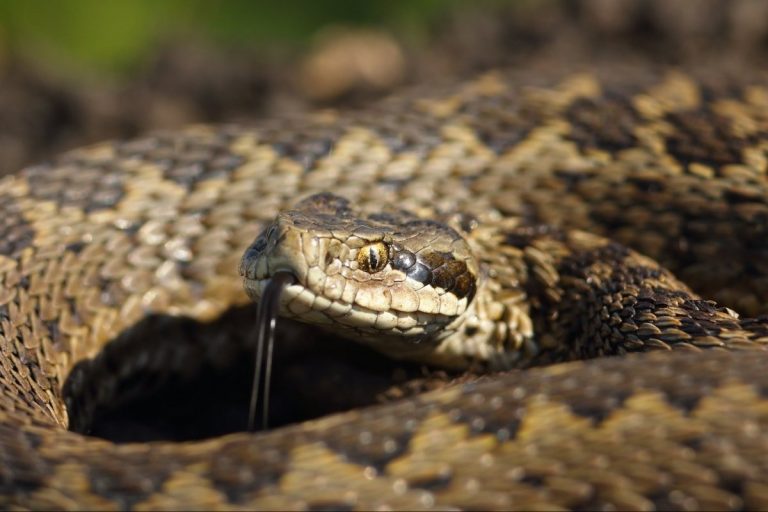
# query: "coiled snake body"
{"points": [[493, 178]]}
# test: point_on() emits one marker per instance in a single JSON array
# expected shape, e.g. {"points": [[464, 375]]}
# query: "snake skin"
{"points": [[672, 166]]}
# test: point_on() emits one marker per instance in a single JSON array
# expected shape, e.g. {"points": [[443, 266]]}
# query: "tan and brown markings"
{"points": [[95, 241]]}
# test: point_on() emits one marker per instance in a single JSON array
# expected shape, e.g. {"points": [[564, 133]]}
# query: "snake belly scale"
{"points": [[671, 166]]}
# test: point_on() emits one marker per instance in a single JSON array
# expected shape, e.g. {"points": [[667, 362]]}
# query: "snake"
{"points": [[596, 242]]}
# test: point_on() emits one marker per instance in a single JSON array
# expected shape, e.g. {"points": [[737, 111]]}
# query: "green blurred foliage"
{"points": [[109, 35]]}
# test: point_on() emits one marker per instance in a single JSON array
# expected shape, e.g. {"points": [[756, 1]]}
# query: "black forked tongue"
{"points": [[266, 320]]}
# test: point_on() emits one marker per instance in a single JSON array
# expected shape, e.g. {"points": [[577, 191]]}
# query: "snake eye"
{"points": [[373, 257]]}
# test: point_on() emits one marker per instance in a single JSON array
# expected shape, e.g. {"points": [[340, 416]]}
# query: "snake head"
{"points": [[382, 275]]}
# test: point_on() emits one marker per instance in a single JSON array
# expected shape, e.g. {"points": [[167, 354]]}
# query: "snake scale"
{"points": [[526, 178]]}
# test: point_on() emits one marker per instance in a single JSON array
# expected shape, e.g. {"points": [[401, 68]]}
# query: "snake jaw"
{"points": [[384, 277]]}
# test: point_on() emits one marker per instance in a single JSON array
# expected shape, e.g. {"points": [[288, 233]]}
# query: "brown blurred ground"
{"points": [[42, 113]]}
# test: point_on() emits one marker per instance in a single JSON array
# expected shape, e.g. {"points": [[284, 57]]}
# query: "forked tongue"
{"points": [[266, 320]]}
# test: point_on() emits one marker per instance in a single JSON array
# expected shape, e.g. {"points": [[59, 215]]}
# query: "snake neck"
{"points": [[546, 295], [495, 333]]}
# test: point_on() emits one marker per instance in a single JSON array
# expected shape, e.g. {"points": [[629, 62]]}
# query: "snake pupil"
{"points": [[373, 258]]}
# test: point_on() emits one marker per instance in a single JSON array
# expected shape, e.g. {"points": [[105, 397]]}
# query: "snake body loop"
{"points": [[493, 224]]}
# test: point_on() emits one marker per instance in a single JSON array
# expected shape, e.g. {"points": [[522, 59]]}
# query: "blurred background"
{"points": [[81, 71]]}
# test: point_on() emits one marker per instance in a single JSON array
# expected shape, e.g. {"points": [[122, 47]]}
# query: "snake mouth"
{"points": [[301, 303]]}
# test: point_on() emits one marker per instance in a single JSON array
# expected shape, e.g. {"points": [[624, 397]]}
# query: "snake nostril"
{"points": [[250, 271], [260, 244], [251, 256]]}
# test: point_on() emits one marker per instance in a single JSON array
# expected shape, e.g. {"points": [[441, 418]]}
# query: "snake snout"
{"points": [[273, 251]]}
